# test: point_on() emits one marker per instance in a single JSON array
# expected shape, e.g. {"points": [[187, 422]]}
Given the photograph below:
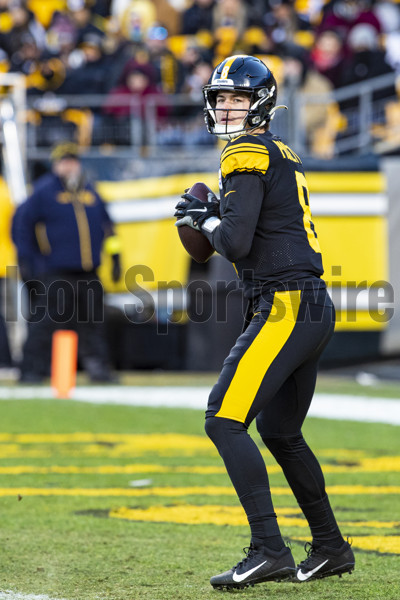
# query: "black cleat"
{"points": [[260, 564], [325, 562]]}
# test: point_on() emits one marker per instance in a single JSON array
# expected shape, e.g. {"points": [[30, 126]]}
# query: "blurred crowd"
{"points": [[127, 50]]}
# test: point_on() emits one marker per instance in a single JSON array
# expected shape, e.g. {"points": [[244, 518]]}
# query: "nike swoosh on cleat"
{"points": [[243, 576], [304, 576], [197, 209]]}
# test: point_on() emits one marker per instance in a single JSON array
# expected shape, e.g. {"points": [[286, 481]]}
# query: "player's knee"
{"points": [[213, 428], [219, 428], [282, 447]]}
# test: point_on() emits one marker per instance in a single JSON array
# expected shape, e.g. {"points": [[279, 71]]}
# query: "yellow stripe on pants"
{"points": [[258, 357]]}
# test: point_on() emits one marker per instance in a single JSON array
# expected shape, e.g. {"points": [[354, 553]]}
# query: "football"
{"points": [[194, 242]]}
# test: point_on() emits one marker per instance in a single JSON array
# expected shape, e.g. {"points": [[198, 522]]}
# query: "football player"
{"points": [[263, 225]]}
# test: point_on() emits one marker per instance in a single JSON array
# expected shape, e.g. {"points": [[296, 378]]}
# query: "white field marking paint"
{"points": [[325, 406], [9, 595], [162, 207]]}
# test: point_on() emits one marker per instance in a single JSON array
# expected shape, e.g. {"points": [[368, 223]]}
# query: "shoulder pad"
{"points": [[244, 154]]}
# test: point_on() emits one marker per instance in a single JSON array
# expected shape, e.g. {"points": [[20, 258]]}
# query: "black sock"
{"points": [[274, 543], [324, 528]]}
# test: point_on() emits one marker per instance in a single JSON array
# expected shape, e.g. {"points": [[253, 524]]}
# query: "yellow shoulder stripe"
{"points": [[241, 147], [245, 160]]}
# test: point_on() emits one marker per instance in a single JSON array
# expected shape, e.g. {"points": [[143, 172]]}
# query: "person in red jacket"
{"points": [[129, 101]]}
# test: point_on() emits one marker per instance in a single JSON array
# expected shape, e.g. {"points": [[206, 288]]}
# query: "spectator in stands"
{"points": [[43, 72], [366, 62], [198, 17], [61, 36], [137, 85], [118, 7], [23, 22], [64, 224], [102, 7], [343, 15], [367, 59], [195, 133], [230, 14], [231, 20], [168, 68], [319, 120], [169, 13], [256, 41], [196, 79], [89, 76], [282, 22], [194, 55], [117, 52], [138, 81], [84, 21], [25, 58], [388, 14], [136, 18], [328, 54]]}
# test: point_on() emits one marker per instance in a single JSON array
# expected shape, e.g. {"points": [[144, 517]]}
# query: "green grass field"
{"points": [[123, 503]]}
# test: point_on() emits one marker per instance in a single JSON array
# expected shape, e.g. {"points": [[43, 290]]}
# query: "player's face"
{"points": [[231, 107]]}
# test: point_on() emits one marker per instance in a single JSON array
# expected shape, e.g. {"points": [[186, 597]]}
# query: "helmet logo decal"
{"points": [[228, 63], [225, 72], [224, 82]]}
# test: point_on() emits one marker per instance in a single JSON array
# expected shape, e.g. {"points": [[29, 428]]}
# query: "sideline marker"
{"points": [[64, 359]]}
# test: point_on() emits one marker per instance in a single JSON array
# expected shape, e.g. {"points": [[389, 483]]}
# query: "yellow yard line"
{"points": [[109, 469], [372, 524], [215, 514], [148, 440], [166, 491], [367, 465], [116, 445], [196, 515], [364, 465], [224, 515], [387, 544]]}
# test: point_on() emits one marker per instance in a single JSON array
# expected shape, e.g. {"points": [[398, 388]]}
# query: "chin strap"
{"points": [[272, 111]]}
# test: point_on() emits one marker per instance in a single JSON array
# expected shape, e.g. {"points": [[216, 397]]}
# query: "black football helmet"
{"points": [[245, 74]]}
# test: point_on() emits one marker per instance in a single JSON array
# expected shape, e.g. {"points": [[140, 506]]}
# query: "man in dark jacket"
{"points": [[198, 17], [59, 233]]}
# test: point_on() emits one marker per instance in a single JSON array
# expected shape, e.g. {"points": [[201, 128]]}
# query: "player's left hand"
{"points": [[194, 212]]}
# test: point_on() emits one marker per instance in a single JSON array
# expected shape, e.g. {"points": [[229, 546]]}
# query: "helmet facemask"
{"points": [[258, 114]]}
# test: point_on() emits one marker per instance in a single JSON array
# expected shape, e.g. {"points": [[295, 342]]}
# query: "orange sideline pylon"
{"points": [[64, 358]]}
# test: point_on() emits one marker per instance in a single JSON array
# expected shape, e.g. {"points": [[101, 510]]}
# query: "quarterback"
{"points": [[263, 225]]}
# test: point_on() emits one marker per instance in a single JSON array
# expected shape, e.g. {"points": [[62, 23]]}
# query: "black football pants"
{"points": [[270, 375], [66, 301]]}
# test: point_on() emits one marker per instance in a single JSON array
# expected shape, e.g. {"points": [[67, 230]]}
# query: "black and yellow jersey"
{"points": [[266, 228]]}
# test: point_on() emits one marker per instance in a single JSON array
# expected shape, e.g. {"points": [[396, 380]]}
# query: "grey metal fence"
{"points": [[163, 124]]}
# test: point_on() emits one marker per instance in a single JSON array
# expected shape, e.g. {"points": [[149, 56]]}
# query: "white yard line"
{"points": [[326, 406]]}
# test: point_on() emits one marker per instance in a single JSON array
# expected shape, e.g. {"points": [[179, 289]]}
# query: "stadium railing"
{"points": [[358, 120]]}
